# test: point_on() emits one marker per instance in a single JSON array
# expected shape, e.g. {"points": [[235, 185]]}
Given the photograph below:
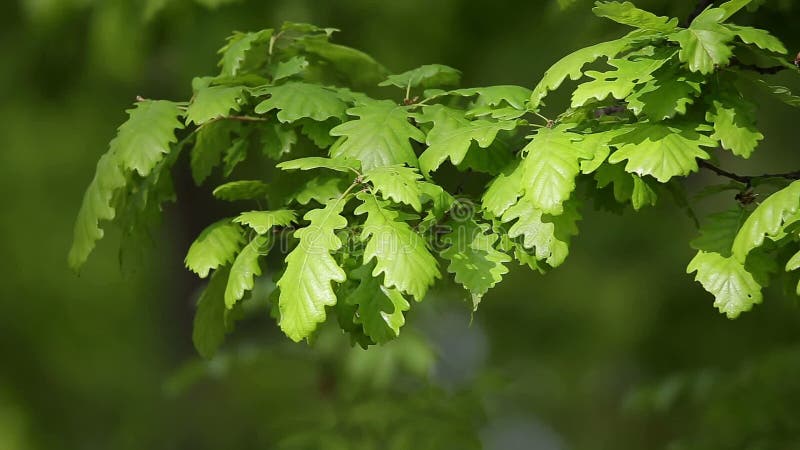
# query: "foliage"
{"points": [[374, 215]]}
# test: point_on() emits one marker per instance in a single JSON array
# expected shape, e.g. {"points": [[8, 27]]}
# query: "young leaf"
{"points": [[733, 119], [289, 68], [668, 93], [514, 96], [297, 100], [397, 183], [761, 38], [572, 65], [628, 14], [213, 102], [263, 221], [241, 190], [504, 190], [427, 76], [731, 7], [548, 235], [619, 83], [662, 151], [769, 219], [96, 206], [239, 48], [216, 246], [244, 269], [305, 287], [146, 137], [320, 190], [551, 165], [704, 45], [140, 145], [400, 253], [643, 193], [235, 154], [209, 329], [474, 260], [380, 137], [719, 230], [452, 135], [379, 309], [316, 162], [734, 288], [277, 141], [210, 143]]}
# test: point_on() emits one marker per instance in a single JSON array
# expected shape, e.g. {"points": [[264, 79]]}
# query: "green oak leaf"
{"points": [[244, 270], [719, 230], [427, 76], [548, 235], [474, 261], [734, 288], [319, 132], [216, 246], [319, 189], [144, 139], [619, 83], [297, 100], [497, 96], [768, 220], [550, 166], [397, 183], [571, 66], [235, 154], [289, 68], [213, 102], [628, 14], [401, 254], [379, 137], [276, 141], [209, 325], [704, 45], [504, 190], [452, 135], [238, 49], [668, 93], [140, 145], [730, 7], [761, 38], [305, 286], [643, 194], [733, 119], [379, 309], [316, 162], [262, 221], [241, 190], [211, 141], [660, 150]]}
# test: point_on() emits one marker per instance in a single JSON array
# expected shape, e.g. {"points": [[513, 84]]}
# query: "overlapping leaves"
{"points": [[645, 109]]}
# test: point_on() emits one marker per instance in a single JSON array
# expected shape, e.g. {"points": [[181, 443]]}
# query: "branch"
{"points": [[746, 179]]}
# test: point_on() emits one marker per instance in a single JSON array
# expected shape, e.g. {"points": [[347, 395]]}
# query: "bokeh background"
{"points": [[617, 349]]}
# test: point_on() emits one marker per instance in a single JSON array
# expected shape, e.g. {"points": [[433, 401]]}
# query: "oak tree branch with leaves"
{"points": [[366, 227]]}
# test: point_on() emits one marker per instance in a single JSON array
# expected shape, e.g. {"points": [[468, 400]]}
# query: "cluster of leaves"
{"points": [[371, 228]]}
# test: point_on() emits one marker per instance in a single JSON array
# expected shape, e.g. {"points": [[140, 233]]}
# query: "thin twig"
{"points": [[747, 179]]}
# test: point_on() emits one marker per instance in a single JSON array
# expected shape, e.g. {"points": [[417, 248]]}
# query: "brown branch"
{"points": [[747, 179]]}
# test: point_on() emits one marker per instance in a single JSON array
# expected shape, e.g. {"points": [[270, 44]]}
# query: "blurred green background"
{"points": [[617, 349]]}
